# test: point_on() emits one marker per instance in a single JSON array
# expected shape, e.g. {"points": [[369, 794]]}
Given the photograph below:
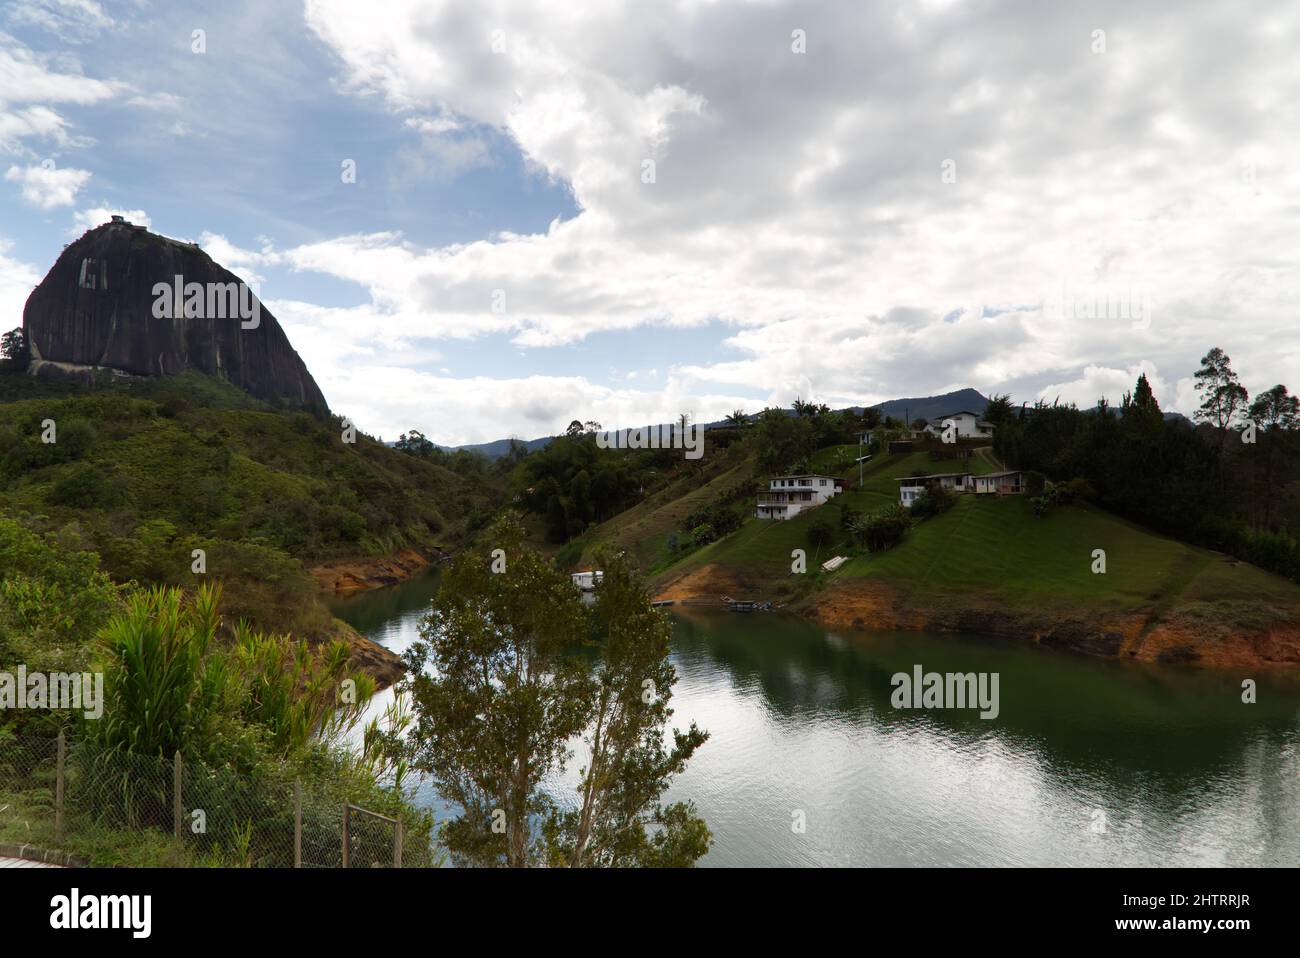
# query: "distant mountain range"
{"points": [[926, 407]]}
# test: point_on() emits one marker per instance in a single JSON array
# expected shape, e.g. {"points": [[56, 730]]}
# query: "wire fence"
{"points": [[100, 807]]}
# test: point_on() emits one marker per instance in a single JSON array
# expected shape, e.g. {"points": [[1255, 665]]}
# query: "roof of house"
{"points": [[957, 412], [1001, 475], [936, 475], [805, 475]]}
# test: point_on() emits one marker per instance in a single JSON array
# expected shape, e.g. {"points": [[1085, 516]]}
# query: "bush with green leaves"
{"points": [[821, 533], [882, 529], [933, 501]]}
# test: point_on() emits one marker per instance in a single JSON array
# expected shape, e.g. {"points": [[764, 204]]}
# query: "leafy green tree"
{"points": [[1275, 413], [999, 410], [619, 820], [784, 442], [14, 350], [1224, 398], [510, 667], [415, 443]]}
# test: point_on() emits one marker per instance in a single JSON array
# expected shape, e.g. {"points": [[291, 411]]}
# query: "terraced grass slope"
{"points": [[995, 557], [644, 529]]}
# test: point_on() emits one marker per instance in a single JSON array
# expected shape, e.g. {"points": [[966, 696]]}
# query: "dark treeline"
{"points": [[1231, 482]]}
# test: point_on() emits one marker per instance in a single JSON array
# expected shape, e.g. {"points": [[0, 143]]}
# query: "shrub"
{"points": [[933, 501], [820, 533], [882, 529], [703, 534]]}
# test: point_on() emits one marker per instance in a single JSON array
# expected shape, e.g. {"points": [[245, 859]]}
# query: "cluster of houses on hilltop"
{"points": [[966, 425], [787, 496]]}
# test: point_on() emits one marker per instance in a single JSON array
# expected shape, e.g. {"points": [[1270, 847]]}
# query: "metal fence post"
{"points": [[347, 809], [297, 823], [397, 845], [176, 804], [58, 788]]}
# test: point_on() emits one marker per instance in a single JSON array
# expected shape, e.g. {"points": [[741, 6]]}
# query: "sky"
{"points": [[621, 211]]}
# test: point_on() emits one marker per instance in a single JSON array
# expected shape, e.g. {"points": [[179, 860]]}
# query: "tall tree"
{"points": [[619, 820], [501, 683], [1223, 395], [14, 350], [999, 409], [1274, 412]]}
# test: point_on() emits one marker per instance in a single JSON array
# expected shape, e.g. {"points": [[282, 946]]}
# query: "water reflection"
{"points": [[801, 721]]}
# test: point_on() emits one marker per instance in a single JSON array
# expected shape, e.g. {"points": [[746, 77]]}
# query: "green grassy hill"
{"points": [[644, 530], [144, 472], [988, 553]]}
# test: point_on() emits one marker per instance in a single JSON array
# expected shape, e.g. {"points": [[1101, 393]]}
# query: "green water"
{"points": [[802, 728]]}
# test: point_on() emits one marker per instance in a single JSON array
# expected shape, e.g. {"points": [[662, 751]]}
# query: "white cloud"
{"points": [[88, 219], [1098, 381], [47, 187], [70, 20], [799, 197], [29, 84], [29, 77], [17, 279]]}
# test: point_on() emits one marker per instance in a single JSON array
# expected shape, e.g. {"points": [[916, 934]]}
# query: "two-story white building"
{"points": [[788, 496], [967, 425]]}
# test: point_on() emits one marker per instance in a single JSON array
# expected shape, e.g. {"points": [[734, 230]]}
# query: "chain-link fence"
{"points": [[102, 807]]}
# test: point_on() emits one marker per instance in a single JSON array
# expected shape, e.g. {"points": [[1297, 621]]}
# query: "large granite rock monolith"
{"points": [[97, 309]]}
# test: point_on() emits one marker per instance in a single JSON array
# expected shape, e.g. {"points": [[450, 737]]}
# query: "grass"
{"points": [[996, 549], [644, 529]]}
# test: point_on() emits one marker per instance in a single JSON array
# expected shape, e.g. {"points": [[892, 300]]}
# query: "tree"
{"points": [[1140, 407], [14, 350], [575, 429], [499, 687], [784, 442], [415, 443], [999, 410], [1274, 412], [737, 418], [1224, 396], [618, 820]]}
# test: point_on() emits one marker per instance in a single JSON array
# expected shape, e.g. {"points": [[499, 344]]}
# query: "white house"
{"points": [[586, 581], [1010, 483], [788, 496], [967, 425], [911, 487]]}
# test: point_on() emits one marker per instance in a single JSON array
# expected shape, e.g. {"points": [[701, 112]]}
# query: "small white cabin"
{"points": [[911, 487], [1011, 483], [586, 581]]}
